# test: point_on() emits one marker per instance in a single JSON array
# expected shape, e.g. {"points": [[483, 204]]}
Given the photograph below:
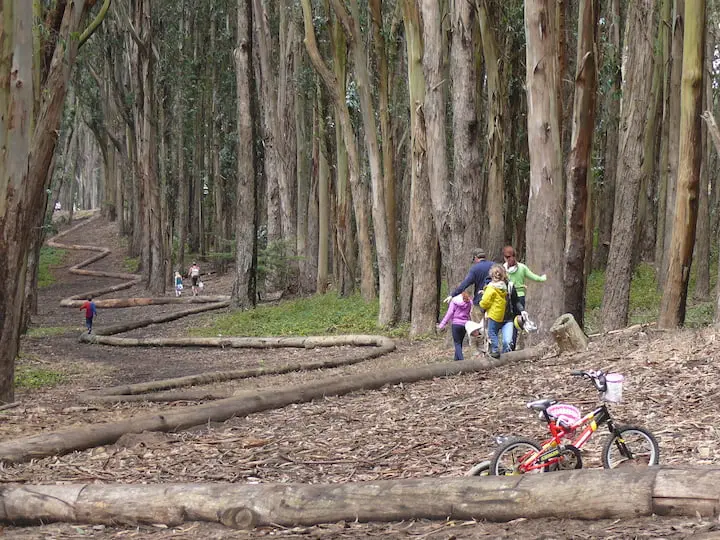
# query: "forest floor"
{"points": [[437, 428]]}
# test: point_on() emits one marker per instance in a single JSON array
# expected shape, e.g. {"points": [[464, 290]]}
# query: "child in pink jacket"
{"points": [[459, 313]]}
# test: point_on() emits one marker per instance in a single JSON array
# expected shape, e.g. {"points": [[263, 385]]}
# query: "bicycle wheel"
{"points": [[509, 456], [630, 446], [481, 469], [570, 458]]}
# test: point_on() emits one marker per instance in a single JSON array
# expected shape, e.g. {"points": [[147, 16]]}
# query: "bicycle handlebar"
{"points": [[597, 377]]}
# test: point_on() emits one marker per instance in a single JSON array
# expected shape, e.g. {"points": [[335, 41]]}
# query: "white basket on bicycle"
{"points": [[564, 412]]}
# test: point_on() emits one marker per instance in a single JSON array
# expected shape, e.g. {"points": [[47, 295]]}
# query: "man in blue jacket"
{"points": [[477, 276]]}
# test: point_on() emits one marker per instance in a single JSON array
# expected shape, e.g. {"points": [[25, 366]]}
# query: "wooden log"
{"points": [[568, 334], [581, 494], [60, 442], [113, 394]]}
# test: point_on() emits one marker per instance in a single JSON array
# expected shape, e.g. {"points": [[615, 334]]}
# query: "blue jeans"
{"points": [[458, 334], [495, 331]]}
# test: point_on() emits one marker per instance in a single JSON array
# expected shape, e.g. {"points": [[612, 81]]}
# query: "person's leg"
{"points": [[493, 329], [458, 334], [88, 324], [507, 336], [521, 301]]}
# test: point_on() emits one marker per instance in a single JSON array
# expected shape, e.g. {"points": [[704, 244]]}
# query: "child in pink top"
{"points": [[459, 313]]}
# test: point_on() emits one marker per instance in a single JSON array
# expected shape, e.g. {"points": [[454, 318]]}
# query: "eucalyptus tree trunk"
{"points": [[673, 150], [704, 231], [545, 216], [637, 79], [494, 231], [216, 177], [674, 299], [421, 253], [25, 132], [645, 234], [303, 148], [346, 247], [467, 166], [386, 134], [359, 189], [606, 197], [436, 84], [583, 126], [663, 161], [244, 286], [323, 204], [147, 162], [386, 272]]}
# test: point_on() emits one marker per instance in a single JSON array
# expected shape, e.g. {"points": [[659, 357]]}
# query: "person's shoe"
{"points": [[495, 354]]}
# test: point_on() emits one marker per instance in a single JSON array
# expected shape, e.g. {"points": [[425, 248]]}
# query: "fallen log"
{"points": [[137, 302], [139, 391], [79, 438], [581, 494]]}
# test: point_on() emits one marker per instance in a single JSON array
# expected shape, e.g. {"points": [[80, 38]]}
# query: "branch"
{"points": [[712, 129], [90, 30]]}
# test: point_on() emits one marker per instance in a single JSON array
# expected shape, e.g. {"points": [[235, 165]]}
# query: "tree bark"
{"points": [[674, 299], [673, 150], [587, 494], [494, 233], [546, 219], [583, 126], [606, 198], [637, 70], [244, 286]]}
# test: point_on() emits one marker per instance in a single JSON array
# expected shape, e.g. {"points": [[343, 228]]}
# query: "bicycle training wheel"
{"points": [[630, 446], [510, 455]]}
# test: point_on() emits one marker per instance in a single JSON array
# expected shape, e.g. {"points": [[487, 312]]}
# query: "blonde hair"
{"points": [[497, 273]]}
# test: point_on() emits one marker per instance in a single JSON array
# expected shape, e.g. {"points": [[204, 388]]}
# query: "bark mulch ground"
{"points": [[436, 428]]}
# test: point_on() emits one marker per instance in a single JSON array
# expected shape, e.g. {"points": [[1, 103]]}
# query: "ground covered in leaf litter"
{"points": [[436, 428]]}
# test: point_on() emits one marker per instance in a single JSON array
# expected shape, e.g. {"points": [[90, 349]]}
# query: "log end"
{"points": [[239, 518]]}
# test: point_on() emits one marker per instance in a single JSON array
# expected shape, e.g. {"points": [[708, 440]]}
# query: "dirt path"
{"points": [[431, 428]]}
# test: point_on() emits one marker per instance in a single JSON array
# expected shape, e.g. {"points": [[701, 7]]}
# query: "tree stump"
{"points": [[568, 334]]}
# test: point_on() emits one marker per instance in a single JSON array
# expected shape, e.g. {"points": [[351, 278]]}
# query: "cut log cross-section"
{"points": [[582, 494]]}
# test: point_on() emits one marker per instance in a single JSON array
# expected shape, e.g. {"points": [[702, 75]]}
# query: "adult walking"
{"points": [[477, 276], [517, 273]]}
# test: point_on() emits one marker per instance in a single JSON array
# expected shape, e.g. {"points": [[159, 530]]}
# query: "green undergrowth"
{"points": [[51, 331], [325, 314], [34, 377], [645, 298], [131, 264], [49, 257]]}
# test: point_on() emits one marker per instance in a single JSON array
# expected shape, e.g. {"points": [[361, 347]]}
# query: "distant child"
{"points": [[194, 274], [178, 284], [90, 313], [459, 313]]}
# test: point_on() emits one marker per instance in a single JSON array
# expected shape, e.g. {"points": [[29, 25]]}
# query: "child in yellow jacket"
{"points": [[499, 301]]}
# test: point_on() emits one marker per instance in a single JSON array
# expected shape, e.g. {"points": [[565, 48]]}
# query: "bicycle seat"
{"points": [[541, 404]]}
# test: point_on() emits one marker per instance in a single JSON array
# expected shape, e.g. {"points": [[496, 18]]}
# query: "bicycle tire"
{"points": [[504, 462], [571, 459], [480, 469], [639, 441]]}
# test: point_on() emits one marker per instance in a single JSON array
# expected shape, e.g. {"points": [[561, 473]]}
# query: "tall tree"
{"points": [[546, 218], [244, 286], [674, 299], [387, 311], [494, 233], [606, 195], [637, 79], [26, 132], [583, 126]]}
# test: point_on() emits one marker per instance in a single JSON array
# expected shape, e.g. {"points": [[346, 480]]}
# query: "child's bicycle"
{"points": [[627, 445]]}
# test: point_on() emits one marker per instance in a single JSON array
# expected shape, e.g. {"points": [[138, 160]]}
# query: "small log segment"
{"points": [[581, 494], [568, 334], [61, 442]]}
